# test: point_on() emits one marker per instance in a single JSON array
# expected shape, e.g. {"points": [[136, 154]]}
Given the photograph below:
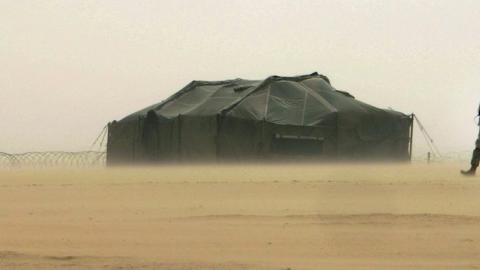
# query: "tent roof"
{"points": [[300, 100]]}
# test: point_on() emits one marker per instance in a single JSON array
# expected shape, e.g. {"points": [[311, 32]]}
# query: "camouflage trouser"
{"points": [[476, 154]]}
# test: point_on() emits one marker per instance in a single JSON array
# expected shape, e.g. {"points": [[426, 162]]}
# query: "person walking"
{"points": [[476, 154]]}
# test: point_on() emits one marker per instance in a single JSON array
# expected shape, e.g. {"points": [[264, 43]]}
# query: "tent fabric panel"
{"points": [[160, 138], [253, 107], [317, 84], [205, 98], [285, 111], [198, 138], [287, 90], [239, 139], [286, 102], [150, 137], [326, 133], [352, 109], [223, 97], [315, 113], [159, 105], [382, 140], [212, 106], [186, 102], [167, 142], [123, 141]]}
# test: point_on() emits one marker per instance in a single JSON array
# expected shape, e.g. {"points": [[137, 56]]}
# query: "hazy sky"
{"points": [[69, 67]]}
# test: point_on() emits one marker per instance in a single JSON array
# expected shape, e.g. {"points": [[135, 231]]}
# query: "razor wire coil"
{"points": [[53, 159]]}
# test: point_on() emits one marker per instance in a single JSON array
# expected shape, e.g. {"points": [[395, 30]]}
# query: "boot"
{"points": [[470, 172]]}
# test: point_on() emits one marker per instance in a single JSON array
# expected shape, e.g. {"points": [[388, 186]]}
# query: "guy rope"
{"points": [[428, 139]]}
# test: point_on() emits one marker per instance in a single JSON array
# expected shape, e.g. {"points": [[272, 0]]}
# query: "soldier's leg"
{"points": [[476, 154], [475, 158]]}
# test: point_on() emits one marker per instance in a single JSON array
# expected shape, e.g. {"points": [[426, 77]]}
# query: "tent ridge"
{"points": [[275, 78], [319, 98]]}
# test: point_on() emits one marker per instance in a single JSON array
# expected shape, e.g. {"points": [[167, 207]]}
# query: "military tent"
{"points": [[301, 117]]}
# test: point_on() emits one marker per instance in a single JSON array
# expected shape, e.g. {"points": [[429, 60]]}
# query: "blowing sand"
{"points": [[241, 217]]}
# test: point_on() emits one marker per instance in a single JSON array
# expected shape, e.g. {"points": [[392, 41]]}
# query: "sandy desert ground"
{"points": [[241, 217]]}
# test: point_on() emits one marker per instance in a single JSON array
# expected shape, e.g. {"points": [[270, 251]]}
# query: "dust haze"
{"points": [[69, 67], [357, 216]]}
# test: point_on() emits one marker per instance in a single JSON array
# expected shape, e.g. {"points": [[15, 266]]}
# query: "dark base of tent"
{"points": [[150, 140]]}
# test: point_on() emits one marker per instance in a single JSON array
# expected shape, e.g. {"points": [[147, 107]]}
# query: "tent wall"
{"points": [[194, 139], [153, 140], [124, 144], [300, 142], [198, 138], [203, 139], [241, 139], [375, 139], [168, 140], [162, 138], [150, 137]]}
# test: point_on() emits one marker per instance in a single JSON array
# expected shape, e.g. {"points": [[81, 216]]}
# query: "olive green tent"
{"points": [[277, 118]]}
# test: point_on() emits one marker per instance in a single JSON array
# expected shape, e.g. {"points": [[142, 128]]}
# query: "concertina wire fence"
{"points": [[98, 158], [53, 159], [87, 159]]}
